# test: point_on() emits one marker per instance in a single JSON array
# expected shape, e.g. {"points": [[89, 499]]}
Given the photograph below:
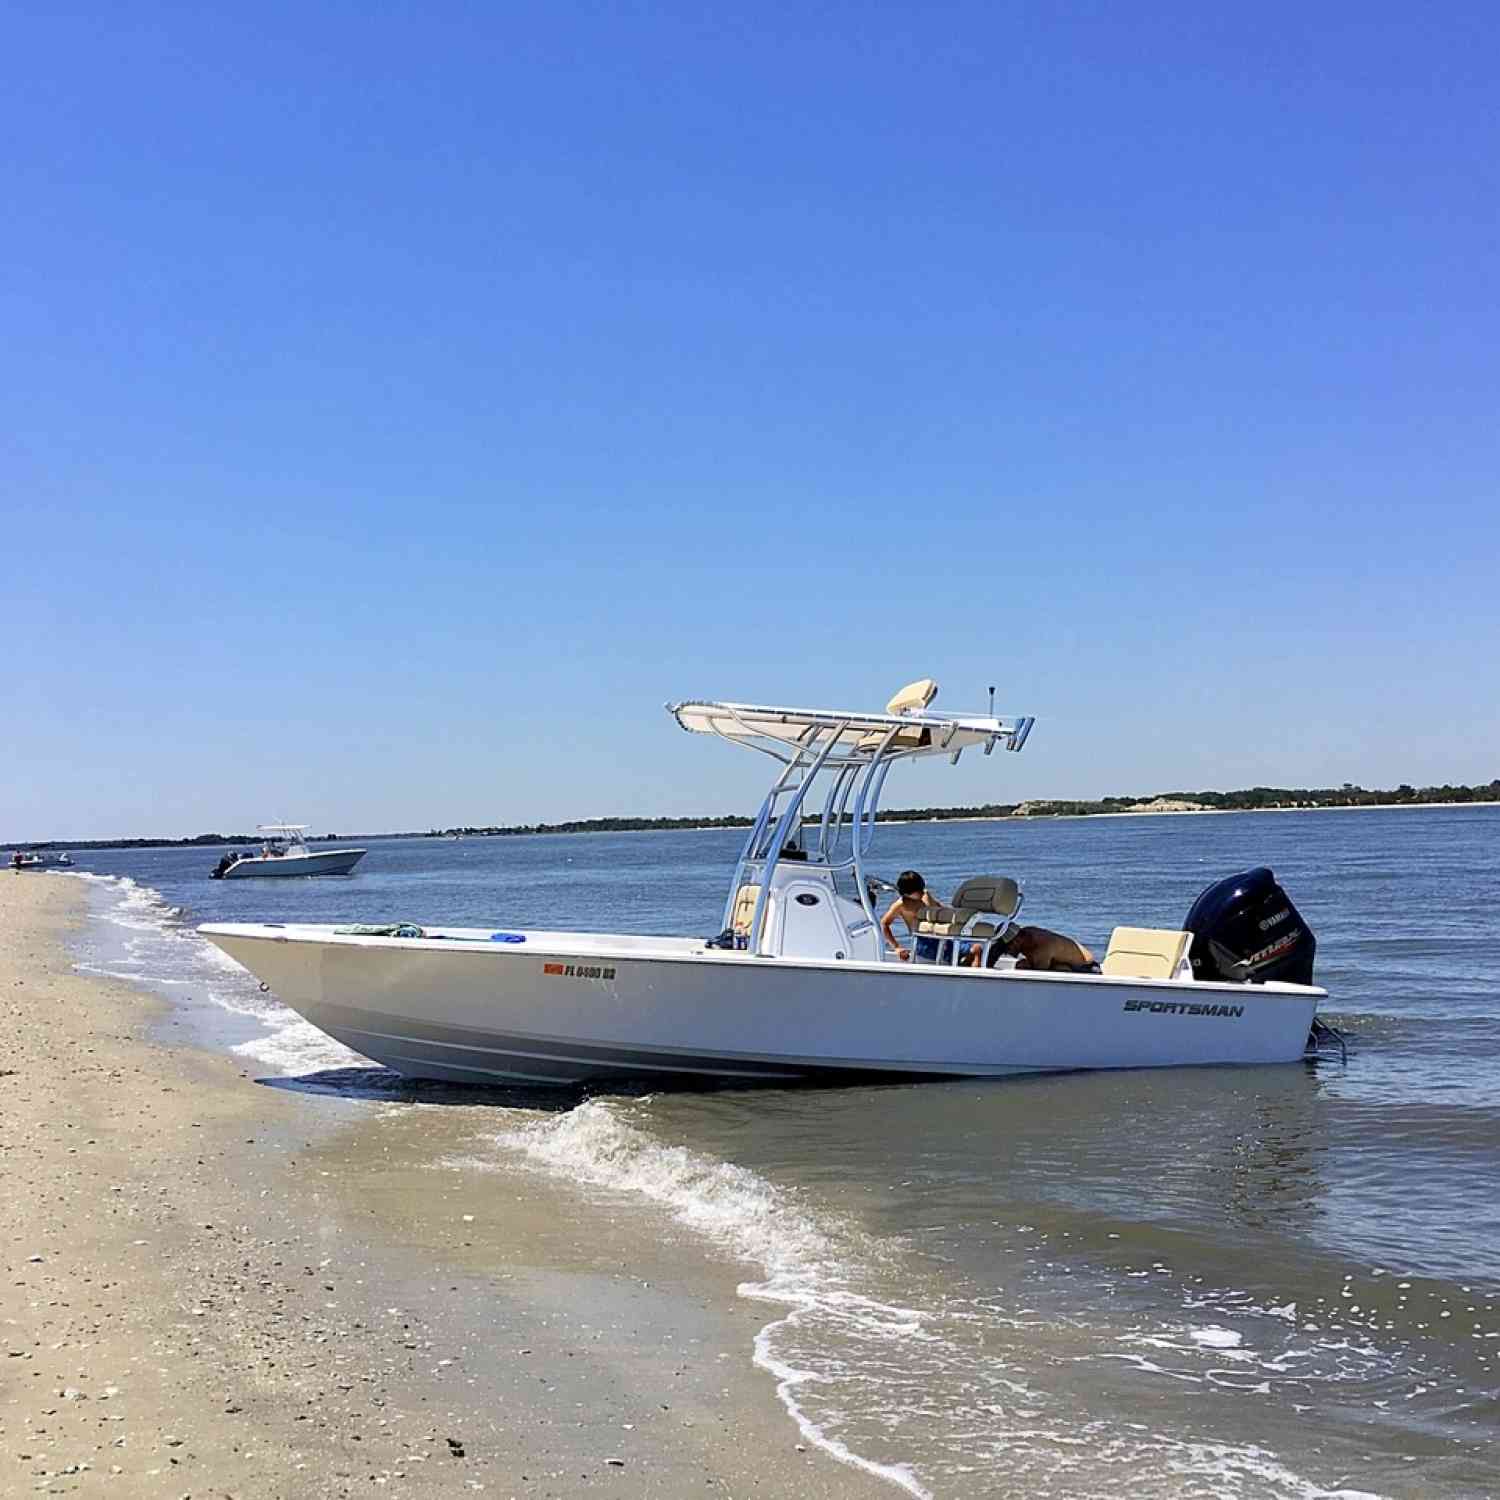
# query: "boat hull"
{"points": [[290, 866], [561, 1008]]}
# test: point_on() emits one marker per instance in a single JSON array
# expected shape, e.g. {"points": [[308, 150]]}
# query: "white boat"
{"points": [[42, 859], [284, 852], [800, 983]]}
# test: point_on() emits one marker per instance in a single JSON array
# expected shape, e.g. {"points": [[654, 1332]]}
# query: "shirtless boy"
{"points": [[912, 904]]}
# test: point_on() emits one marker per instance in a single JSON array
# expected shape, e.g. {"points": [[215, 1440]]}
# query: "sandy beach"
{"points": [[212, 1287]]}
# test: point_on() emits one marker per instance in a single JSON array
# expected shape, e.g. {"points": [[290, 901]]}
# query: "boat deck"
{"points": [[570, 947]]}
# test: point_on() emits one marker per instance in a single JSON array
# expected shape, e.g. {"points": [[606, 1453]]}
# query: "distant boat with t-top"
{"points": [[284, 852]]}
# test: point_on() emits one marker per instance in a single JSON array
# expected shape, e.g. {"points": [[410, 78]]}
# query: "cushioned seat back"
{"points": [[992, 893], [914, 697], [1145, 952], [953, 921], [744, 909], [945, 921]]}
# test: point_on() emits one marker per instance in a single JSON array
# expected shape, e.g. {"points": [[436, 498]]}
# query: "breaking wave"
{"points": [[137, 935], [935, 1394], [805, 1264]]}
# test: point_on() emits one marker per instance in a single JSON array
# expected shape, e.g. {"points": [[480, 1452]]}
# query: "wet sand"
{"points": [[211, 1287]]}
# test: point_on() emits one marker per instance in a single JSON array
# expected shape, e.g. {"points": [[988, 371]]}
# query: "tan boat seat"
{"points": [[983, 907], [1145, 953], [946, 921], [953, 921], [995, 896], [744, 910], [992, 893], [913, 698]]}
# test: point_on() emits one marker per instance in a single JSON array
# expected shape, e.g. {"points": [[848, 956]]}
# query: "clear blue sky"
{"points": [[402, 401]]}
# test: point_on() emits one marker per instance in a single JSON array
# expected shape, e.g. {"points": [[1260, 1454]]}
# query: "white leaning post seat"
{"points": [[1147, 953], [984, 906]]}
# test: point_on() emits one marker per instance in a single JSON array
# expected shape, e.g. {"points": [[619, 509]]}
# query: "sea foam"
{"points": [[138, 936], [805, 1264], [929, 1392]]}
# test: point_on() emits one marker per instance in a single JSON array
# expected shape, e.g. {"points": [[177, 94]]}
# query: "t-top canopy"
{"points": [[281, 830], [860, 735]]}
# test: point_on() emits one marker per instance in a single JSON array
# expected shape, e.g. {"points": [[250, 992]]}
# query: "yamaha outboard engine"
{"points": [[1246, 929]]}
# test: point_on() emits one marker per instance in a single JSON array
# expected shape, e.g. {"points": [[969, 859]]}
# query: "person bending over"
{"points": [[912, 903], [1037, 948]]}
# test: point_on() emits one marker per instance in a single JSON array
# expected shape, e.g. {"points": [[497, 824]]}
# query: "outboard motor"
{"points": [[1246, 929], [223, 865]]}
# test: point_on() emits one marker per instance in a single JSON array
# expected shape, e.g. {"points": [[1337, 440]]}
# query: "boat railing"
{"points": [[790, 814], [857, 751], [859, 774]]}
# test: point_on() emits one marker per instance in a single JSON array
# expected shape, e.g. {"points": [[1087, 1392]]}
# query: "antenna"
{"points": [[992, 700]]}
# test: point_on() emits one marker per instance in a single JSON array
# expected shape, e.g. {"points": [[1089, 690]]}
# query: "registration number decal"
{"points": [[577, 971]]}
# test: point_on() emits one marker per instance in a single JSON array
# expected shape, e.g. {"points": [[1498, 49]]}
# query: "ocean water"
{"points": [[1190, 1282]]}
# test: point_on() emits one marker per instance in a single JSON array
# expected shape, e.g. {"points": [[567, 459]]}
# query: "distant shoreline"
{"points": [[1198, 812], [719, 825]]}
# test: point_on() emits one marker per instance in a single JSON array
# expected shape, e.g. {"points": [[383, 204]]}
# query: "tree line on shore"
{"points": [[203, 839], [1249, 799], [1270, 798]]}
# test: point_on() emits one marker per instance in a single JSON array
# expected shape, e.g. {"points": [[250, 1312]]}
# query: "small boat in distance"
{"points": [[284, 852], [42, 859], [800, 983]]}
